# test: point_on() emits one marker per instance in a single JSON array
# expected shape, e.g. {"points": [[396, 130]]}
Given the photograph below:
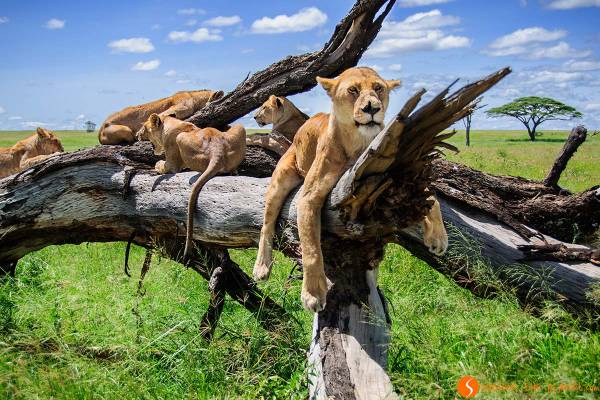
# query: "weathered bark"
{"points": [[296, 74], [575, 139]]}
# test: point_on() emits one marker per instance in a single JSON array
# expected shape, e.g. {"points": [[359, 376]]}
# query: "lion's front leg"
{"points": [[435, 236], [321, 178]]}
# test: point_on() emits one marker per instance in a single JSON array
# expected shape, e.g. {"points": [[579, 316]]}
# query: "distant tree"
{"points": [[533, 111], [467, 121]]}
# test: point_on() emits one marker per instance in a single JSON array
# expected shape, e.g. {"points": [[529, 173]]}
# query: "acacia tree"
{"points": [[532, 111]]}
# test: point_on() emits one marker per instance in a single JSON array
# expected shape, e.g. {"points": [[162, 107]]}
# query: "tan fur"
{"points": [[322, 150], [186, 146], [283, 114], [29, 151], [125, 126]]}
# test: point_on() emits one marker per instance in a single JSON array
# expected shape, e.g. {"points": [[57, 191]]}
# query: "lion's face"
{"points": [[360, 97], [47, 142], [268, 112], [153, 130]]}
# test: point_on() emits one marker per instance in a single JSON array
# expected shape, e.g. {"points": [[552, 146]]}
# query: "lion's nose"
{"points": [[369, 108]]}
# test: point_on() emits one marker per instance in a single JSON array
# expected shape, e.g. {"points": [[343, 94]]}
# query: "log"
{"points": [[575, 139]]}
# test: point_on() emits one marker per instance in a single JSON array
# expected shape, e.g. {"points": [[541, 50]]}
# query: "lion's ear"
{"points": [[394, 83], [328, 84], [41, 132], [278, 102], [155, 121]]}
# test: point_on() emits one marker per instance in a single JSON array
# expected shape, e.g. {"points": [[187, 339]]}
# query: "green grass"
{"points": [[72, 326]]}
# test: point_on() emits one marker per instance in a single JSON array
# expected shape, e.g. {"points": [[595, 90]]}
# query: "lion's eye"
{"points": [[353, 90], [377, 88]]}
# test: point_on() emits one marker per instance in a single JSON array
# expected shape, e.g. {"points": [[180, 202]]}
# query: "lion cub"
{"points": [[124, 127], [186, 146], [28, 152], [322, 150]]}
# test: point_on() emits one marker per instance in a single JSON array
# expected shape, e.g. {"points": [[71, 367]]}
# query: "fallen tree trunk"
{"points": [[575, 139]]}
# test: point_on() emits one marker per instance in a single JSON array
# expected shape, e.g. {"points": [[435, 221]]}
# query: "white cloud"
{"points": [[171, 72], [595, 107], [15, 118], [418, 32], [223, 21], [80, 117], [198, 36], [558, 77], [420, 3], [55, 23], [3, 20], [2, 110], [303, 20], [146, 66], [182, 81], [573, 65], [35, 124], [132, 45], [526, 36], [395, 67], [527, 43], [561, 50], [191, 22], [191, 11], [570, 4]]}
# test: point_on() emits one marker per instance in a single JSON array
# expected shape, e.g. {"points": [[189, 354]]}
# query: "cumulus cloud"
{"points": [[304, 20], [191, 11], [418, 32], [528, 43], [3, 20], [132, 45], [570, 4], [2, 110], [198, 36], [55, 23], [171, 72], [395, 67], [191, 22], [526, 36], [420, 3], [35, 124], [555, 77], [223, 21], [15, 118], [573, 65], [146, 65], [594, 107]]}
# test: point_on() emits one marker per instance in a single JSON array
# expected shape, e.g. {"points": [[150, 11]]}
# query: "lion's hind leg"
{"points": [[435, 236], [116, 134], [285, 179]]}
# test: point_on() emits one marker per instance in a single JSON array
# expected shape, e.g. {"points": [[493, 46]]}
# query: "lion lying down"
{"points": [[24, 154], [186, 146], [322, 150], [123, 127]]}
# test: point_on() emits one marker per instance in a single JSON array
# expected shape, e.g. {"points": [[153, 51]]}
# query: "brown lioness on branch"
{"points": [[286, 119], [125, 126], [29, 151], [324, 147], [186, 146]]}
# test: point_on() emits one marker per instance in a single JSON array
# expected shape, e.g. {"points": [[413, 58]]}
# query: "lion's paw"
{"points": [[437, 241], [314, 294], [262, 268]]}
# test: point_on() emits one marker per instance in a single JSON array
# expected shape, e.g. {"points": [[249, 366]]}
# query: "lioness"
{"points": [[29, 151], [125, 126], [322, 149], [207, 150], [283, 114]]}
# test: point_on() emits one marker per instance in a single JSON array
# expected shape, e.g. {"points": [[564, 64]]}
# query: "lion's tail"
{"points": [[211, 170]]}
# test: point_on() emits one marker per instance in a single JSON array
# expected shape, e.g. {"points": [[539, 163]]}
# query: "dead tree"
{"points": [[111, 193], [575, 139]]}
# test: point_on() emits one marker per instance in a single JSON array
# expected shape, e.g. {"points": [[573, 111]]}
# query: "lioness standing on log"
{"points": [[186, 146], [27, 152], [124, 127], [322, 150]]}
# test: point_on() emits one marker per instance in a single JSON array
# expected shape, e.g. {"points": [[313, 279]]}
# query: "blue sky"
{"points": [[64, 62]]}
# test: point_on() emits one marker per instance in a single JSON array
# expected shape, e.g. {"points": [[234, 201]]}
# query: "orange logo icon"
{"points": [[467, 387]]}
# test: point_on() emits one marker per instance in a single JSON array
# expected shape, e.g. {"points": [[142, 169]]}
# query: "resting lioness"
{"points": [[283, 114], [123, 127], [322, 149], [186, 146], [29, 151]]}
